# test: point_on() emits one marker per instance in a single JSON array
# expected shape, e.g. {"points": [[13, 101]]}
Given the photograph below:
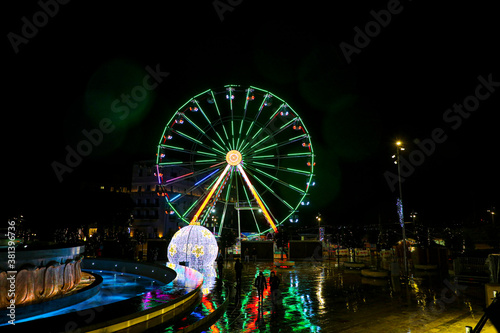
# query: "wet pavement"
{"points": [[317, 296]]}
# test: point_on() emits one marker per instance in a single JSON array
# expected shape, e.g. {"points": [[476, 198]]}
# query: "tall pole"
{"points": [[399, 147], [239, 221]]}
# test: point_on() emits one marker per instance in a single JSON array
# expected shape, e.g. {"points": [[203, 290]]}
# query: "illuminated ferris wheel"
{"points": [[235, 157]]}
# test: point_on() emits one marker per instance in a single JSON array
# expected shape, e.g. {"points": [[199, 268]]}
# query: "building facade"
{"points": [[151, 214]]}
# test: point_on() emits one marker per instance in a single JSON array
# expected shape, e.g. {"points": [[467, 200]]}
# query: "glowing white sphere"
{"points": [[194, 244]]}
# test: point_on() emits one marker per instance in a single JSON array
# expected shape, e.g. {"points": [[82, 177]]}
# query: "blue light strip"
{"points": [[206, 177], [176, 197]]}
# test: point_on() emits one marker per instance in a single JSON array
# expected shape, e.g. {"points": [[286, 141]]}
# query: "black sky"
{"points": [[428, 57]]}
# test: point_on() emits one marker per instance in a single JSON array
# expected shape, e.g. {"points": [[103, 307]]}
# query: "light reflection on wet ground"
{"points": [[316, 296]]}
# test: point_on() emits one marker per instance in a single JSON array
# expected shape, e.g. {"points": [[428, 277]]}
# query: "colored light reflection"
{"points": [[298, 306]]}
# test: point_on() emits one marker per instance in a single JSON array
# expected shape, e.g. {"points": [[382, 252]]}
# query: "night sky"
{"points": [[398, 82]]}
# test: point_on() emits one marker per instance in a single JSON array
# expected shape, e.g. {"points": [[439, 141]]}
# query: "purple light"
{"points": [[399, 204]]}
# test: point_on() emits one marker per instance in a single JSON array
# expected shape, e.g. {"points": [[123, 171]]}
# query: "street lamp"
{"points": [[399, 147], [492, 212]]}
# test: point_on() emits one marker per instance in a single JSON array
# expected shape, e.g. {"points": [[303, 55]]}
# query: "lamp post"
{"points": [[492, 212], [321, 231], [318, 218], [399, 147]]}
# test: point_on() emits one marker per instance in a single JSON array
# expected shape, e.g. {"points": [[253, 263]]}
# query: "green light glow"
{"points": [[188, 137], [210, 123], [220, 138], [171, 147], [258, 132], [264, 156], [266, 174], [300, 154], [117, 86], [272, 191], [266, 165], [270, 148], [258, 143], [299, 171], [171, 163], [288, 123], [266, 148], [205, 161], [192, 123], [205, 153], [232, 133], [279, 181], [298, 137], [297, 189]]}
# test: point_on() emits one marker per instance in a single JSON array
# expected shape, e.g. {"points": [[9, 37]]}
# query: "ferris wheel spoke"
{"points": [[247, 99], [204, 195], [198, 183], [261, 107], [230, 97], [249, 203], [257, 134], [188, 152], [272, 135], [198, 142], [191, 207], [266, 173], [203, 133], [187, 192], [220, 117], [275, 179], [285, 169], [212, 127], [251, 210], [277, 145], [195, 204], [226, 201], [214, 187], [219, 191], [252, 158], [228, 192], [267, 187], [186, 163]]}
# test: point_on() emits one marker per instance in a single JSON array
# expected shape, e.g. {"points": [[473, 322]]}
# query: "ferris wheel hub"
{"points": [[233, 157]]}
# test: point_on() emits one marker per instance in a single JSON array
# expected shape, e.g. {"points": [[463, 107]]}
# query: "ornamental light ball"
{"points": [[194, 244]]}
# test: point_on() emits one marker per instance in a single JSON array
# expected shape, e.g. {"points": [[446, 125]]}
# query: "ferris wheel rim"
{"points": [[221, 154]]}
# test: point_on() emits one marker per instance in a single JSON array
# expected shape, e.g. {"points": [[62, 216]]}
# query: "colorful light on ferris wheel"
{"points": [[234, 153]]}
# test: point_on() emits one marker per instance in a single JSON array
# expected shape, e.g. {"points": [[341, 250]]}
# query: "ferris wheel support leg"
{"points": [[257, 198], [195, 217]]}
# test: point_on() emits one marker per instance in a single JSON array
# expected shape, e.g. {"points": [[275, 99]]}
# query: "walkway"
{"points": [[316, 296]]}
